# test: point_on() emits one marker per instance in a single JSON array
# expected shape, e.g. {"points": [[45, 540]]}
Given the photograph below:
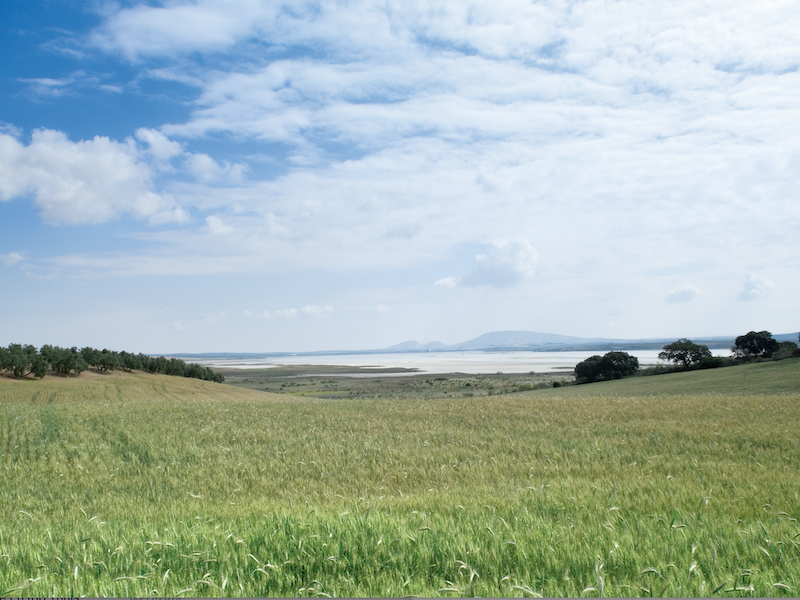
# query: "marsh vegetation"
{"points": [[331, 381]]}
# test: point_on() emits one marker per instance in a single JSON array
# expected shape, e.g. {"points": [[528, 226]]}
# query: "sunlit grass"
{"points": [[679, 485]]}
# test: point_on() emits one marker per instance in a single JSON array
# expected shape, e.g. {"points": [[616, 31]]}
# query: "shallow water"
{"points": [[472, 362]]}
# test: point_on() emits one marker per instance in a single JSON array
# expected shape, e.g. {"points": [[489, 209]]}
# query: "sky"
{"points": [[266, 176]]}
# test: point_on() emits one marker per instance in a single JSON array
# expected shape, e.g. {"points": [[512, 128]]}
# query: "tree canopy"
{"points": [[612, 365], [23, 361], [755, 344], [685, 352]]}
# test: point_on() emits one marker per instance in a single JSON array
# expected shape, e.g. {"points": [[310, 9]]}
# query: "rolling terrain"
{"points": [[115, 387], [145, 485]]}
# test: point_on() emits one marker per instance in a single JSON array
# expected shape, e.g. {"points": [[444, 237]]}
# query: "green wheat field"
{"points": [[143, 485]]}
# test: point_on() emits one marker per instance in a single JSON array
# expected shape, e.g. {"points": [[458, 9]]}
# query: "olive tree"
{"points": [[17, 359], [39, 366]]}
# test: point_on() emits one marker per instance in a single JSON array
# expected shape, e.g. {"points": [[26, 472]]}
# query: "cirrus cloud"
{"points": [[11, 258]]}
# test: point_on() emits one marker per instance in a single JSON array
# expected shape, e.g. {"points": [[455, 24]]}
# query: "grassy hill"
{"points": [[117, 386], [140, 485], [779, 377]]}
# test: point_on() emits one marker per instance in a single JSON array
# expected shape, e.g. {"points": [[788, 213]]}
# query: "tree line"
{"points": [[26, 361], [684, 354]]}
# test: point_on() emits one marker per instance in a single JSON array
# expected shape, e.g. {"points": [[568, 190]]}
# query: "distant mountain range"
{"points": [[503, 339], [508, 341]]}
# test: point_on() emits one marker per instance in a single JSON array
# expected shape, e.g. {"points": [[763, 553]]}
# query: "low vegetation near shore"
{"points": [[145, 485], [323, 381]]}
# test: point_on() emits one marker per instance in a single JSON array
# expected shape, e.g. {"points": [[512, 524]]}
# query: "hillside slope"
{"points": [[121, 387], [767, 378]]}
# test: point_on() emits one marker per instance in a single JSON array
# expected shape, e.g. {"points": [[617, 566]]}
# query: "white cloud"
{"points": [[174, 215], [78, 182], [9, 129], [179, 28], [287, 313], [617, 136], [575, 125], [11, 259], [523, 69], [216, 226], [161, 147], [178, 326], [46, 86], [97, 180], [382, 308], [274, 226], [755, 286], [507, 263], [526, 119], [548, 32], [207, 170], [684, 293], [317, 311]]}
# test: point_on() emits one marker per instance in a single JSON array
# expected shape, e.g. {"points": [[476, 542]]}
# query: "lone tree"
{"points": [[754, 344], [612, 365], [685, 352]]}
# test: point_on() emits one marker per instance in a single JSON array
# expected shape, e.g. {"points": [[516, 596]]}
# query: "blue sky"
{"points": [[282, 176]]}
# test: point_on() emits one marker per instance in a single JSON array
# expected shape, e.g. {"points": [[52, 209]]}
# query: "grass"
{"points": [[324, 381], [137, 485]]}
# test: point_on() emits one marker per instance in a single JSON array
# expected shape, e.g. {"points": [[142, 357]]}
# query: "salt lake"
{"points": [[471, 362]]}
